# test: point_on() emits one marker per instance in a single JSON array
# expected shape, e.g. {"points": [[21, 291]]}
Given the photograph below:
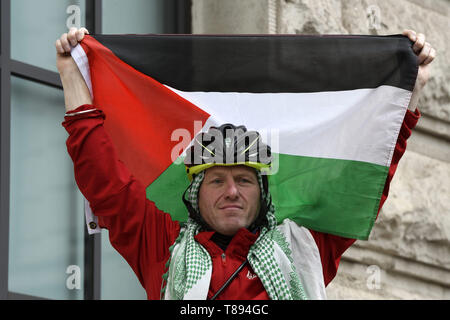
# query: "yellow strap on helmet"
{"points": [[191, 171]]}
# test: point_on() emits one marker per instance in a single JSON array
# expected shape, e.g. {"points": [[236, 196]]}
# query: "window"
{"points": [[46, 227], [44, 246]]}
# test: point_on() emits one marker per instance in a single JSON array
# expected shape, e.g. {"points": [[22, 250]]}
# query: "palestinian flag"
{"points": [[331, 108]]}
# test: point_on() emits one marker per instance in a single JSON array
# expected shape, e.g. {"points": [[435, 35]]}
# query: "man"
{"points": [[231, 246]]}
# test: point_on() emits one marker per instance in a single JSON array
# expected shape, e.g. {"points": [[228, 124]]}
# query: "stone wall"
{"points": [[408, 253]]}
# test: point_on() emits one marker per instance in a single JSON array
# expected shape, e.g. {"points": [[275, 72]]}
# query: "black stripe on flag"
{"points": [[262, 63]]}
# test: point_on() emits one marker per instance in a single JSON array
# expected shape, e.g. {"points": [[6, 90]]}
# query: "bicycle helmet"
{"points": [[227, 145]]}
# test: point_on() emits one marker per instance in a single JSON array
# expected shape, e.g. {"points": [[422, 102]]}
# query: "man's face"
{"points": [[229, 198]]}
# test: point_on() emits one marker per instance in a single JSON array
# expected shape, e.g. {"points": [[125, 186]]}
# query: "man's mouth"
{"points": [[230, 206]]}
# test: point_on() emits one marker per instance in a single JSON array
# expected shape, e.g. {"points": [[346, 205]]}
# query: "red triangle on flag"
{"points": [[141, 113]]}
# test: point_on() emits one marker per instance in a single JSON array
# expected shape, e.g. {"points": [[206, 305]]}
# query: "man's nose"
{"points": [[231, 191]]}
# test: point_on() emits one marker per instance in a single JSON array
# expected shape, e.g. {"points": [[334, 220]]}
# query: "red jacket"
{"points": [[142, 233]]}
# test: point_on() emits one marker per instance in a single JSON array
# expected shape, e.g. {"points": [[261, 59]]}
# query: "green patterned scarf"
{"points": [[190, 266]]}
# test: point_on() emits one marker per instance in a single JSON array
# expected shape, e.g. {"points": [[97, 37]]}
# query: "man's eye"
{"points": [[217, 181]]}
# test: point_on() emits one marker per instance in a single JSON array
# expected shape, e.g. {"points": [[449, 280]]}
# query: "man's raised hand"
{"points": [[76, 92], [64, 45], [426, 54]]}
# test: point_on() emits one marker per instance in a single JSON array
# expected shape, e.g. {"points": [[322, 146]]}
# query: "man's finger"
{"points": [[59, 47], [71, 36], [424, 53], [81, 32], [430, 57], [411, 34], [420, 42], [65, 42]]}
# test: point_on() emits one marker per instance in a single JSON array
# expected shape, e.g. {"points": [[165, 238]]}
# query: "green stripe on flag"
{"points": [[334, 196], [167, 190]]}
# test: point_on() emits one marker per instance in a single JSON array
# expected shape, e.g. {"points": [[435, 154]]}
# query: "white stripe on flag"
{"points": [[82, 62]]}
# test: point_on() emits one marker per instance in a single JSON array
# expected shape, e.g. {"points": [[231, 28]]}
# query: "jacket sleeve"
{"points": [[332, 247], [139, 231]]}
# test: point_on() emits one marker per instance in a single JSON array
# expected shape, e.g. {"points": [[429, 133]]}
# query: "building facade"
{"points": [[408, 253]]}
